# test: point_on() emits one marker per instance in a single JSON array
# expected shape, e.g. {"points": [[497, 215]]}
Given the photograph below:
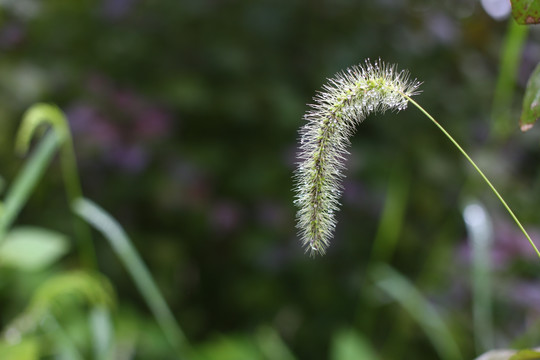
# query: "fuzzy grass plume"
{"points": [[345, 101]]}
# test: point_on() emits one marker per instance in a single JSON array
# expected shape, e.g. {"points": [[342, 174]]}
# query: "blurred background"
{"points": [[185, 118]]}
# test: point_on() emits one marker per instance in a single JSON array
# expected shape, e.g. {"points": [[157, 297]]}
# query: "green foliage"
{"points": [[480, 233], [531, 101], [35, 117], [501, 109], [405, 293], [56, 303], [526, 12], [27, 349], [271, 344], [124, 249], [28, 248], [19, 192], [526, 355], [43, 114], [186, 135], [71, 289], [31, 248], [350, 345], [229, 347]]}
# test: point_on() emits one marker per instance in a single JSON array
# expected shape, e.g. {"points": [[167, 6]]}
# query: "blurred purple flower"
{"points": [[153, 123], [272, 214], [80, 117], [131, 158], [511, 244], [225, 216], [526, 294], [190, 183], [120, 125], [116, 9], [98, 84], [128, 102], [91, 127], [11, 34]]}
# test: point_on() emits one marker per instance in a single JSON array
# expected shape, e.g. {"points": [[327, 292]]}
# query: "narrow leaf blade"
{"points": [[530, 111]]}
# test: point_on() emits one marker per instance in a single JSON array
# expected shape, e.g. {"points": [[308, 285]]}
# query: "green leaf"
{"points": [[27, 349], [228, 347], [349, 345], [510, 59], [526, 12], [271, 344], [526, 355], [32, 248], [531, 101], [37, 115]]}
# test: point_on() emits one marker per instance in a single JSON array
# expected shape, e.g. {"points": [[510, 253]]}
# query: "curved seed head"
{"points": [[345, 101]]}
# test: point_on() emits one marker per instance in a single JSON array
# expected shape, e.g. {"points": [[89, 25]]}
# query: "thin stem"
{"points": [[477, 169], [74, 191]]}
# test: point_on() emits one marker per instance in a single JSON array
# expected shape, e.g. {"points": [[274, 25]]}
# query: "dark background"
{"points": [[185, 117]]}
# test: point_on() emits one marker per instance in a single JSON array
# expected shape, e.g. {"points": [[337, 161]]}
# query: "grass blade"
{"points": [[501, 114], [102, 333], [392, 217], [401, 290], [67, 350], [25, 182], [124, 249], [480, 232]]}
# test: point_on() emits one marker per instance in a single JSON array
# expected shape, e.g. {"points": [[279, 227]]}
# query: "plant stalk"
{"points": [[477, 169]]}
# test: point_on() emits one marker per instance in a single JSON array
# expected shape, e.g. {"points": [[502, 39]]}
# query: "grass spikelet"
{"points": [[344, 102]]}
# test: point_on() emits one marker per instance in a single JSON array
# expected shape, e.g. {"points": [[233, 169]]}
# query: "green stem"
{"points": [[477, 169], [74, 191]]}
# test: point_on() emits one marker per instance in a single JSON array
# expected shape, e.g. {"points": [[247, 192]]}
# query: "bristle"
{"points": [[345, 101]]}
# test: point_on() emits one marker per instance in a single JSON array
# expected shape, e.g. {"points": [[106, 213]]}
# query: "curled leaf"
{"points": [[34, 117]]}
